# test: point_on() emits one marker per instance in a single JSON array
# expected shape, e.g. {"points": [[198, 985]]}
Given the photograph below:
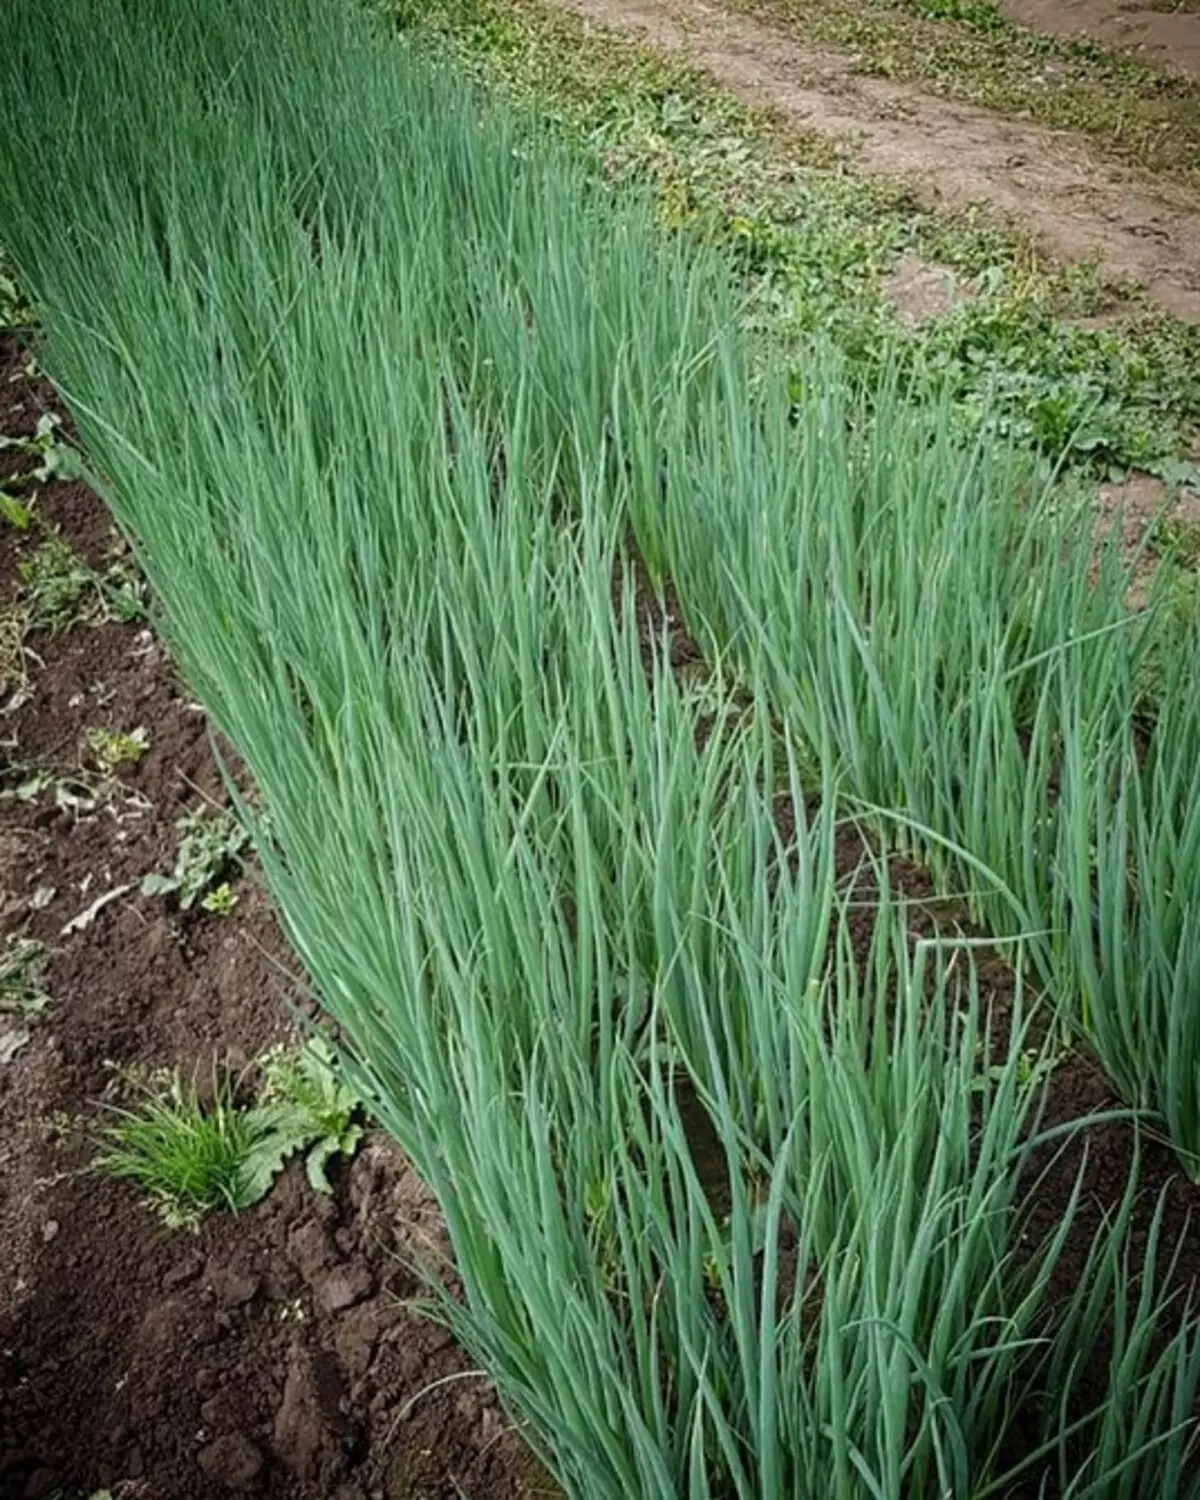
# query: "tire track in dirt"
{"points": [[1077, 203]]}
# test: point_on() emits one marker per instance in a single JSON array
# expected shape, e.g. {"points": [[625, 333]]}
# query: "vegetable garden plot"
{"points": [[378, 390]]}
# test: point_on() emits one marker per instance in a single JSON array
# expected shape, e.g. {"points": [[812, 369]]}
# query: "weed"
{"points": [[15, 311], [14, 512], [191, 1157], [1179, 540], [22, 976], [111, 749], [80, 793], [124, 589], [220, 901], [303, 1106], [210, 843], [188, 1157], [22, 994], [59, 586], [61, 589], [55, 460]]}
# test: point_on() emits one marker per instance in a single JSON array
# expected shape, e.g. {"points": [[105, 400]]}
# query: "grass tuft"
{"points": [[187, 1156]]}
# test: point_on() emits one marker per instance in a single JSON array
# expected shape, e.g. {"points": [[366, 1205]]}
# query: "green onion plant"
{"points": [[382, 390]]}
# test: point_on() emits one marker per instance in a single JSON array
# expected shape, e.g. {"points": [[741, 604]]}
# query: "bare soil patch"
{"points": [[1163, 31], [1077, 203]]}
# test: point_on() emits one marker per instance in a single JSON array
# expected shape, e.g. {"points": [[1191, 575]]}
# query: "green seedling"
{"points": [[14, 513], [123, 587], [55, 460], [15, 311], [303, 1106], [1179, 540], [59, 587], [22, 976], [210, 844], [111, 749], [23, 996], [1033, 1066], [220, 901]]}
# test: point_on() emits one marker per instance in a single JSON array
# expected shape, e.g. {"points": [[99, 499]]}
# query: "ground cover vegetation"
{"points": [[1088, 373], [386, 392]]}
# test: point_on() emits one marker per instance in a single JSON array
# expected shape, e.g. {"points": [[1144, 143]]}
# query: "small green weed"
{"points": [[15, 311], [1178, 540], [110, 749], [22, 977], [55, 459], [62, 589], [210, 844], [304, 1107], [220, 901], [59, 586], [80, 793], [15, 513], [23, 996], [188, 1157], [191, 1157]]}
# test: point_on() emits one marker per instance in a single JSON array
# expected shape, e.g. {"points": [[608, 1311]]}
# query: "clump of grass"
{"points": [[187, 1156], [191, 1156]]}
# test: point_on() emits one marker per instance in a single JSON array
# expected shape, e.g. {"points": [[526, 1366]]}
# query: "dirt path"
{"points": [[1164, 36], [1077, 203]]}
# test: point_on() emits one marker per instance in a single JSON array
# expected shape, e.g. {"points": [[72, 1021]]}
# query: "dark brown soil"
{"points": [[270, 1353], [267, 1354]]}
